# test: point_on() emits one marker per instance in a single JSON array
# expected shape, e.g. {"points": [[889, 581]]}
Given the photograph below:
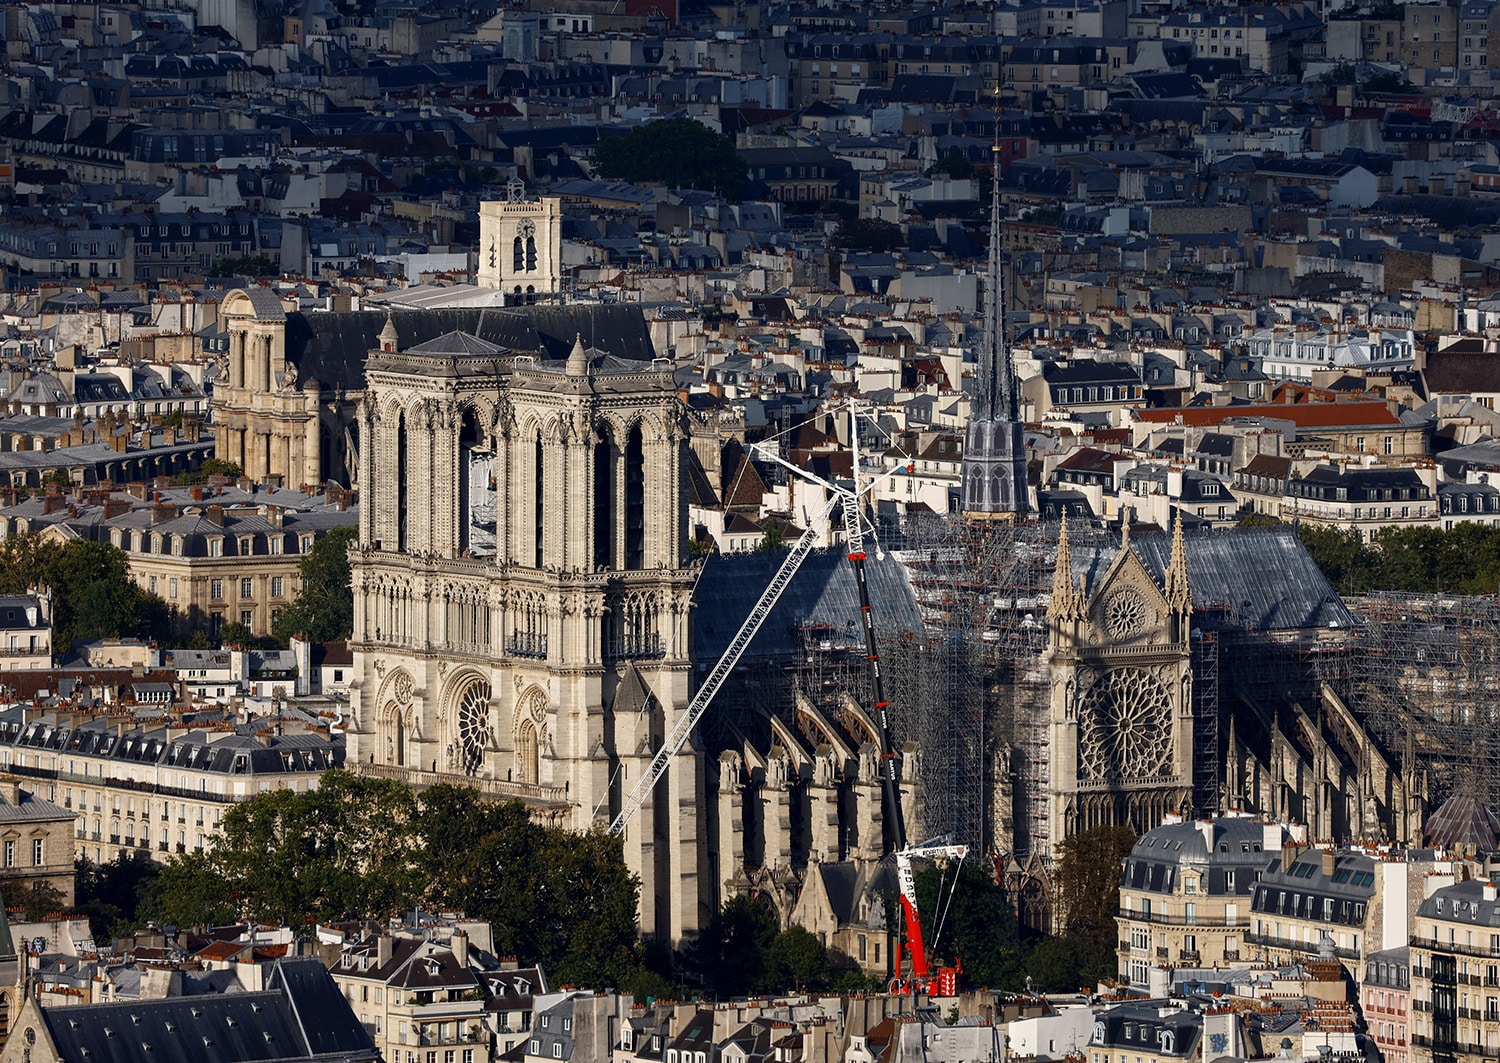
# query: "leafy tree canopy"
{"points": [[357, 847], [245, 266], [211, 467], [1088, 885], [970, 920], [679, 152], [955, 166], [93, 595], [324, 609], [1463, 560]]}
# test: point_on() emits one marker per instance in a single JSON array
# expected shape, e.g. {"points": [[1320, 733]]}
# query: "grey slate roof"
{"points": [[1262, 578], [822, 592], [301, 1015], [331, 348]]}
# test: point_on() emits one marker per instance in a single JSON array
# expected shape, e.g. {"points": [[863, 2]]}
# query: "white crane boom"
{"points": [[731, 656]]}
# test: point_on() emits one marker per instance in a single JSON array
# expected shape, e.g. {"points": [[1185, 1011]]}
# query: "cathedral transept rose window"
{"points": [[1125, 726], [1125, 615], [473, 721]]}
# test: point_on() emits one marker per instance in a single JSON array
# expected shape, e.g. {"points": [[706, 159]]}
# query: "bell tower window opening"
{"points": [[403, 485], [531, 254], [518, 256], [604, 523], [538, 491], [635, 499], [476, 489]]}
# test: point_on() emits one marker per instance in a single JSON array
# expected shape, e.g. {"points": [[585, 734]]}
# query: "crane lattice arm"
{"points": [[731, 656]]}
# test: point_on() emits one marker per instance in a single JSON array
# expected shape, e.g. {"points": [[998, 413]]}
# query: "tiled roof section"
{"points": [[32, 809], [1273, 466], [266, 304], [822, 592], [460, 343], [1458, 372], [300, 1016], [1260, 579], [1090, 459], [1463, 821], [331, 348], [1303, 415]]}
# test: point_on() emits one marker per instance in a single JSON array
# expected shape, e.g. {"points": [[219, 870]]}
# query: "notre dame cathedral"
{"points": [[521, 593]]}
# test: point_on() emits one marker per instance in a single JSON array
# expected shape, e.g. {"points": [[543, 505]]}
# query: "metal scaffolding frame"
{"points": [[1426, 683]]}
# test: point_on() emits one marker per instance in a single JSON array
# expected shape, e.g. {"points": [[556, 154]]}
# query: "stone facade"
{"points": [[522, 595], [1121, 680], [520, 243], [276, 423]]}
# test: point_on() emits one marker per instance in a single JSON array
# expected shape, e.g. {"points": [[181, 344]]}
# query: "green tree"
{"points": [[795, 960], [1088, 884], [868, 235], [38, 897], [324, 609], [966, 916], [1346, 561], [244, 266], [187, 891], [110, 894], [1339, 74], [1053, 965], [731, 950], [342, 850], [955, 166], [234, 633], [679, 152], [210, 467], [773, 536], [93, 595]]}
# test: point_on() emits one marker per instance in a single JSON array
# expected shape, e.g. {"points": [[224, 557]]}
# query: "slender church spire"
{"points": [[994, 469], [995, 394]]}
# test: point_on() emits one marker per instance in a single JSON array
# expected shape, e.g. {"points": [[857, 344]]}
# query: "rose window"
{"points": [[1125, 727], [1125, 615], [473, 723]]}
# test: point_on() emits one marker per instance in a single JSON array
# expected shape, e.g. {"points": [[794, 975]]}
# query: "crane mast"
{"points": [[922, 979]]}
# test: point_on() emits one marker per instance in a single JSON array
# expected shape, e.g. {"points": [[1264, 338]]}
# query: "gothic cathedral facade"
{"points": [[522, 595], [1121, 702]]}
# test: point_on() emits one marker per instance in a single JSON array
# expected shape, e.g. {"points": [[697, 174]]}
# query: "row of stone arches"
{"points": [[462, 730]]}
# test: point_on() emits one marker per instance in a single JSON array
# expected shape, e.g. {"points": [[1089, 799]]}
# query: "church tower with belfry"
{"points": [[522, 593], [520, 246]]}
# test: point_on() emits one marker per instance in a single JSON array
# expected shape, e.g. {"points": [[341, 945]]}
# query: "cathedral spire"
{"points": [[995, 394], [994, 484], [1062, 575], [1179, 595], [388, 338]]}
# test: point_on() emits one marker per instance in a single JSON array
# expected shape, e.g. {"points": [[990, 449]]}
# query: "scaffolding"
{"points": [[971, 688], [1426, 684]]}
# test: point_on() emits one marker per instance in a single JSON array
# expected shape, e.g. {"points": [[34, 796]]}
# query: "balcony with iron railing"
{"points": [[1294, 945], [527, 644], [634, 647]]}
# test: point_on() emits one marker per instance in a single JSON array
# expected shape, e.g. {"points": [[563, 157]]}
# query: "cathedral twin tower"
{"points": [[521, 597]]}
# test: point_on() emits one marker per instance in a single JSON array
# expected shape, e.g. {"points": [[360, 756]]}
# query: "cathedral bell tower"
{"points": [[1122, 706], [520, 246], [522, 595]]}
